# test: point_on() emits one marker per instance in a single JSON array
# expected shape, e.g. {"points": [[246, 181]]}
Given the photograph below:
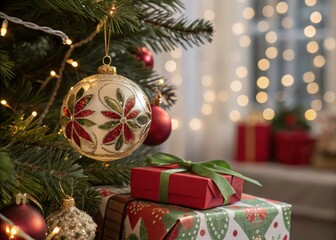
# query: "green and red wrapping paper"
{"points": [[185, 188], [250, 218]]}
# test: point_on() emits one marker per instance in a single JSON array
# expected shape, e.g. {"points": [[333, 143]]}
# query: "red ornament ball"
{"points": [[143, 54], [160, 127], [27, 218]]}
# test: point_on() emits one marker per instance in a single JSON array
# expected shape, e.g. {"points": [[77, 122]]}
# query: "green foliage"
{"points": [[290, 120], [34, 157]]}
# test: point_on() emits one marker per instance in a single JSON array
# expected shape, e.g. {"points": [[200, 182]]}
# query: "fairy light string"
{"points": [[34, 26], [59, 75]]}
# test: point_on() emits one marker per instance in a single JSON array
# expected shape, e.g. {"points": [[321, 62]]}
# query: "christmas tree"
{"points": [[49, 46]]}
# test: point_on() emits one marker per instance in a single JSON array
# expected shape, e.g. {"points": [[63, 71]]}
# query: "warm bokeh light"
{"points": [[329, 96], [53, 73], [287, 80], [3, 102], [316, 104], [288, 54], [262, 97], [177, 80], [312, 47], [319, 61], [195, 124], [271, 37], [248, 13], [238, 28], [170, 66], [242, 100], [206, 109], [316, 17], [244, 41], [241, 71], [222, 96], [268, 114], [268, 11], [209, 96], [263, 64], [236, 85], [207, 80], [310, 114], [330, 43], [308, 77], [263, 26], [175, 123], [309, 31], [312, 88], [263, 82], [209, 14], [234, 115], [287, 22], [34, 114], [310, 3], [281, 7], [271, 52]]}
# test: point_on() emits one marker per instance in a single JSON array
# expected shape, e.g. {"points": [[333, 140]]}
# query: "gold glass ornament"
{"points": [[106, 116], [73, 224]]}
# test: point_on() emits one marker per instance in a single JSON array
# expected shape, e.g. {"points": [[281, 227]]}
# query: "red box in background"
{"points": [[253, 143], [185, 188], [293, 147]]}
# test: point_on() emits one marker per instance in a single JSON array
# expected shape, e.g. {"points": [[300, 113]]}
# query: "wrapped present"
{"points": [[185, 188], [199, 185], [250, 218], [253, 142], [293, 147]]}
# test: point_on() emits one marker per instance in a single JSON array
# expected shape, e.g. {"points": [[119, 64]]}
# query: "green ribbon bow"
{"points": [[209, 169]]}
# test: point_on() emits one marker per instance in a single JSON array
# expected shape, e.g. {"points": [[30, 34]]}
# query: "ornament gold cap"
{"points": [[21, 198], [68, 202], [107, 68]]}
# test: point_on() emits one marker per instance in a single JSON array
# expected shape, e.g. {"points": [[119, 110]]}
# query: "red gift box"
{"points": [[253, 142], [293, 147], [185, 188]]}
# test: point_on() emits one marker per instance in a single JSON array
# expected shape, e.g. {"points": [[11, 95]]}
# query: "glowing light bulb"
{"points": [[68, 41], [34, 113], [53, 73], [3, 102], [4, 28]]}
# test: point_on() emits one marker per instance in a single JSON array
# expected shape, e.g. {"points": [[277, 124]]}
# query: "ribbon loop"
{"points": [[211, 169]]}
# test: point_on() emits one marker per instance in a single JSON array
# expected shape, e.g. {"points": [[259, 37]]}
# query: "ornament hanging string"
{"points": [[107, 38]]}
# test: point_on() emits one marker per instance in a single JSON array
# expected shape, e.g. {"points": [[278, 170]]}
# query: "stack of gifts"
{"points": [[180, 199]]}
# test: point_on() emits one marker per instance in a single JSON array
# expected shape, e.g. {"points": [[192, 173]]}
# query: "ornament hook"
{"points": [[107, 60]]}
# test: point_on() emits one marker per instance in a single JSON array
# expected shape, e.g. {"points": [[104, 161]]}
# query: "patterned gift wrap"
{"points": [[252, 218]]}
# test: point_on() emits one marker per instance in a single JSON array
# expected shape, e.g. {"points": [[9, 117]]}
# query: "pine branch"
{"points": [[166, 33], [6, 66], [116, 172]]}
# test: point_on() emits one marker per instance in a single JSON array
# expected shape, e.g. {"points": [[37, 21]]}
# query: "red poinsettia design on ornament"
{"points": [[74, 118], [124, 120]]}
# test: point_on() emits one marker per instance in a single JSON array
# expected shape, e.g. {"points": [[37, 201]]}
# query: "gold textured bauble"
{"points": [[105, 116], [73, 223]]}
